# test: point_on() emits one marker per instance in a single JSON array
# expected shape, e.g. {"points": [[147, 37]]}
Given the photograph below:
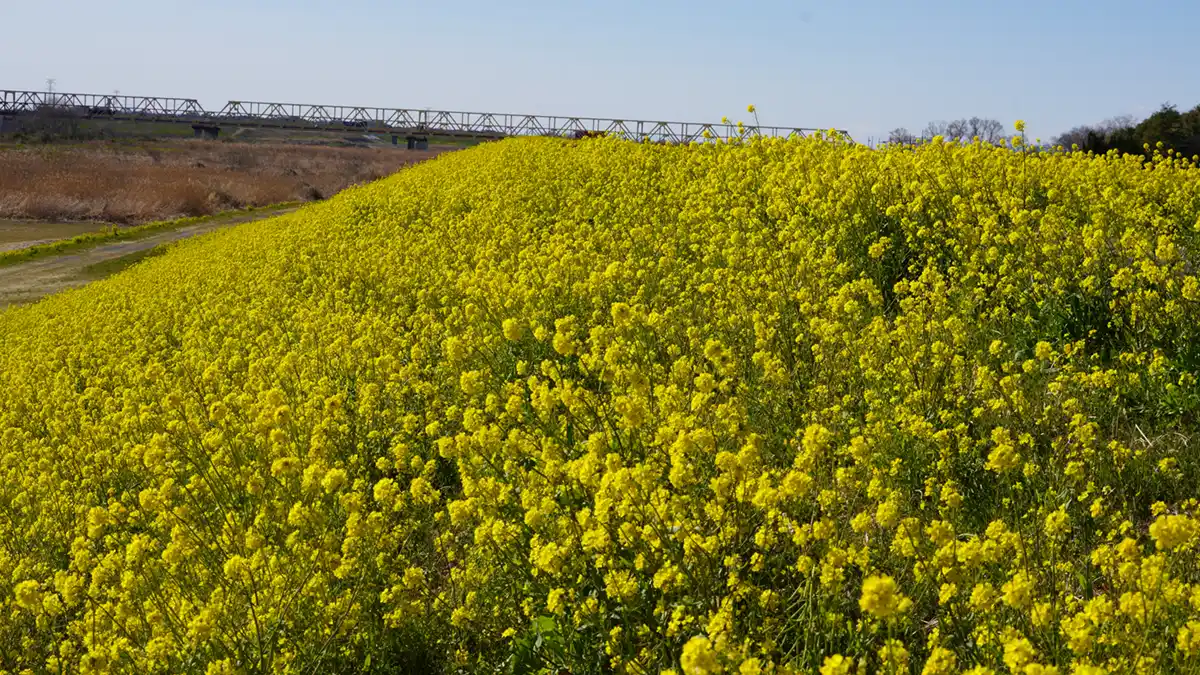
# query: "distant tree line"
{"points": [[963, 130], [1175, 130]]}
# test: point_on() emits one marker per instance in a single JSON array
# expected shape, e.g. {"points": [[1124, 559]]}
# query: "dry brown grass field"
{"points": [[135, 183]]}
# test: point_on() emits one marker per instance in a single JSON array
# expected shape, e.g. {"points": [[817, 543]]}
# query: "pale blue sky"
{"points": [[863, 65]]}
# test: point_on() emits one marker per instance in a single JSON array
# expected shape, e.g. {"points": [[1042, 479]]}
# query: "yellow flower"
{"points": [[1043, 350], [1003, 458], [941, 661], [1173, 531], [946, 593], [751, 109], [29, 595], [1187, 640], [881, 597], [334, 480], [983, 596], [751, 667], [837, 665], [893, 657], [1018, 653], [699, 658], [1018, 591], [554, 601], [1058, 524]]}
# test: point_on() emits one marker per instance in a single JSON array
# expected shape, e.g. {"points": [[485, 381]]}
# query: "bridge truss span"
{"points": [[408, 122]]}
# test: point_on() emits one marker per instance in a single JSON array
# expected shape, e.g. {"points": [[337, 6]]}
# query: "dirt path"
{"points": [[29, 281]]}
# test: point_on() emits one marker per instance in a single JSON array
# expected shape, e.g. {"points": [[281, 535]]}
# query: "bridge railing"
{"points": [[395, 120]]}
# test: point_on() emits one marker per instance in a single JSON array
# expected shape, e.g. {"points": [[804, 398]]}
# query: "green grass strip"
{"points": [[115, 233], [107, 268]]}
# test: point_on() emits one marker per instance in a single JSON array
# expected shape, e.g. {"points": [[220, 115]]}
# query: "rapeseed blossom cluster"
{"points": [[774, 406]]}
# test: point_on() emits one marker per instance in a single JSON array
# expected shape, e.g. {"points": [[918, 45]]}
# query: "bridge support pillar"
{"points": [[208, 132], [417, 143], [7, 124], [395, 139]]}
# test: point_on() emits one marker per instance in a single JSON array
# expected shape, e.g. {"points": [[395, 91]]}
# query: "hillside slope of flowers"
{"points": [[592, 407]]}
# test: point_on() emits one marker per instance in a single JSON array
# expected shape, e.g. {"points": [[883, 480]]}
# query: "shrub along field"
{"points": [[589, 407]]}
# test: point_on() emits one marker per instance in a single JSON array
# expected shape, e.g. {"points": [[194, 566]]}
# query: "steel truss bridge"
{"points": [[412, 124]]}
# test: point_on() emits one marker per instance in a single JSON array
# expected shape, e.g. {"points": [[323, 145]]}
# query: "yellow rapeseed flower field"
{"points": [[607, 407]]}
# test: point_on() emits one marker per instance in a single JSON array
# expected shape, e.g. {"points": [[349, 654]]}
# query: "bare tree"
{"points": [[1112, 124], [1077, 136], [901, 136], [932, 129], [958, 130], [986, 130], [991, 131], [965, 130], [1114, 132]]}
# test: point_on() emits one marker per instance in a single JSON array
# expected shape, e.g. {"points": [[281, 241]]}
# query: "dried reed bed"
{"points": [[138, 183]]}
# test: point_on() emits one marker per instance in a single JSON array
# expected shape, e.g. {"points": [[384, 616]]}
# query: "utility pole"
{"points": [[50, 90]]}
